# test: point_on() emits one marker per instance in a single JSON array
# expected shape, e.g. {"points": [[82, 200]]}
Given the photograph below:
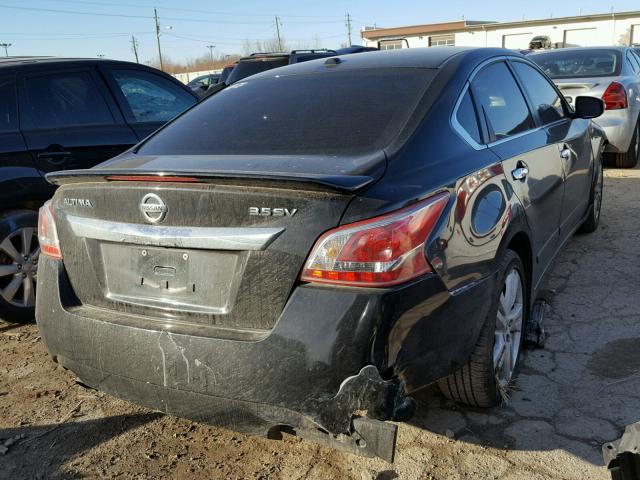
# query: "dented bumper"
{"points": [[309, 374]]}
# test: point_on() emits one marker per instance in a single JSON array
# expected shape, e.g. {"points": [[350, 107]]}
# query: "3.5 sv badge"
{"points": [[272, 212]]}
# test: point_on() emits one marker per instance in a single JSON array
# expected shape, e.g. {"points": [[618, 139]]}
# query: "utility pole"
{"points": [[155, 15], [278, 25], [6, 48], [134, 46], [348, 24], [211, 47]]}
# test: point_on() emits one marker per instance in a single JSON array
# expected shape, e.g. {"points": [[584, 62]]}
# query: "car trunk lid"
{"points": [[197, 246]]}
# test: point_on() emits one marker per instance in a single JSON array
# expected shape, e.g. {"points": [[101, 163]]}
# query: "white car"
{"points": [[610, 73]]}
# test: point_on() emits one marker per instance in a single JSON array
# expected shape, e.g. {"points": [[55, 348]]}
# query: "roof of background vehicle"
{"points": [[427, 57], [583, 49]]}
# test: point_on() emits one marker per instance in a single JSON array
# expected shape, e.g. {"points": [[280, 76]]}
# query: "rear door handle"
{"points": [[521, 171]]}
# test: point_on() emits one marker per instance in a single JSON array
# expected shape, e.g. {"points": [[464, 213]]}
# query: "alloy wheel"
{"points": [[19, 254], [508, 330]]}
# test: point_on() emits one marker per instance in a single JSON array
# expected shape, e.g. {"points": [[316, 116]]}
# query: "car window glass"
{"points": [[346, 112], [634, 62], [64, 99], [579, 63], [545, 99], [466, 116], [500, 100], [8, 107], [151, 98]]}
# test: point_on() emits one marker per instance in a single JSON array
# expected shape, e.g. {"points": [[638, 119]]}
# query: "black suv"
{"points": [[261, 62], [58, 114]]}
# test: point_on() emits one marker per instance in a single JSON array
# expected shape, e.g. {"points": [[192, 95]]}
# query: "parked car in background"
{"points": [[202, 83], [610, 73], [356, 49], [540, 42], [58, 114], [258, 268]]}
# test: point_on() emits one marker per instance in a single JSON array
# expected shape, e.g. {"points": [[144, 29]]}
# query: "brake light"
{"points": [[151, 178], [615, 97], [378, 252], [47, 233]]}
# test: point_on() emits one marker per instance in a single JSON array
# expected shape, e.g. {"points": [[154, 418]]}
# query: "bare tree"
{"points": [[269, 45], [625, 38]]}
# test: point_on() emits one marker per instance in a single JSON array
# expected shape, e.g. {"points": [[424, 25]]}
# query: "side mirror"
{"points": [[588, 107]]}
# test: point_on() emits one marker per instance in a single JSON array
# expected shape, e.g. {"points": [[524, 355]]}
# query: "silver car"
{"points": [[610, 73]]}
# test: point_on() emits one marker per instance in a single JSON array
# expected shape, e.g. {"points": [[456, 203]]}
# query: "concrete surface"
{"points": [[569, 398]]}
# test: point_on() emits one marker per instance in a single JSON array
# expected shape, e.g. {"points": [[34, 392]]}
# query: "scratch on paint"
{"points": [[164, 362], [184, 357], [213, 373]]}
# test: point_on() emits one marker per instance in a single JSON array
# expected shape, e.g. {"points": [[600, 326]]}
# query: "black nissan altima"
{"points": [[305, 249]]}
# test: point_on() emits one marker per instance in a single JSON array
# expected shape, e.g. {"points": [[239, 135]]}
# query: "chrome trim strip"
{"points": [[208, 238]]}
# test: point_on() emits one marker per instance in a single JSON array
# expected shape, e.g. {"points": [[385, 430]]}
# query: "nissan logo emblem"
{"points": [[153, 208]]}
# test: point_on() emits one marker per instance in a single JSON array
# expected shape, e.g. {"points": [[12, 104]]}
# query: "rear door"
{"points": [[68, 119], [571, 137], [148, 100], [531, 164]]}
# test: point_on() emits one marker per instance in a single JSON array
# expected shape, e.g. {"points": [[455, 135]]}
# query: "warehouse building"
{"points": [[619, 28]]}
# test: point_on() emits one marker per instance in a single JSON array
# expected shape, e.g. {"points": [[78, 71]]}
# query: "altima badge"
{"points": [[153, 208]]}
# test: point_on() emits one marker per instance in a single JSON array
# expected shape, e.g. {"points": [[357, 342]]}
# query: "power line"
{"points": [[211, 12]]}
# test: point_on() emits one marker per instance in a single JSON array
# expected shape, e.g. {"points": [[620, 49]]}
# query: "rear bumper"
{"points": [[312, 372], [618, 125]]}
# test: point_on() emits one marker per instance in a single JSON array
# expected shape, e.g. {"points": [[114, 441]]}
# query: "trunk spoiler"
{"points": [[341, 183]]}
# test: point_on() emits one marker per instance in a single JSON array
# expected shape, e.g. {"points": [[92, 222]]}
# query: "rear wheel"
{"points": [[591, 223], [486, 380], [19, 252], [629, 159]]}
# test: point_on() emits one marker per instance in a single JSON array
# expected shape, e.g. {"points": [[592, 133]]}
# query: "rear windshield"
{"points": [[246, 68], [579, 63], [333, 112]]}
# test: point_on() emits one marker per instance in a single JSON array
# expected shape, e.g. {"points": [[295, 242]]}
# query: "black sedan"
{"points": [[253, 265]]}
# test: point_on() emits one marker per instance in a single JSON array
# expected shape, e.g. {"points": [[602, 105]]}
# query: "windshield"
{"points": [[579, 63], [333, 112]]}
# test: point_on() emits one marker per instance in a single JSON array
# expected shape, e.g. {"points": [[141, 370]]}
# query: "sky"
{"points": [[91, 28]]}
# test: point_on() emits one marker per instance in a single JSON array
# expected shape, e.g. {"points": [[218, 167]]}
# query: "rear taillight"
{"points": [[615, 97], [47, 233], [379, 252]]}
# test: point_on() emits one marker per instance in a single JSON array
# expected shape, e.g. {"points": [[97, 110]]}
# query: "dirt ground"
{"points": [[569, 398]]}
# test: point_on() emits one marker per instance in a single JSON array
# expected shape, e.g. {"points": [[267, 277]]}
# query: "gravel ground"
{"points": [[568, 399]]}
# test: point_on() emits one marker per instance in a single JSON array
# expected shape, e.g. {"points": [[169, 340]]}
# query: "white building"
{"points": [[620, 28]]}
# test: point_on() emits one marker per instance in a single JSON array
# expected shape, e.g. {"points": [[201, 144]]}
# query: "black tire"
{"points": [[11, 223], [475, 383], [629, 159], [590, 225]]}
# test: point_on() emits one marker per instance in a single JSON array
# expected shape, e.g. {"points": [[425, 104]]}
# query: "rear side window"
{"points": [[501, 102], [332, 112], [546, 100], [66, 99], [150, 97], [8, 105], [466, 117]]}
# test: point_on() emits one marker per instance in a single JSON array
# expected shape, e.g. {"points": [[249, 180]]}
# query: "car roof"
{"points": [[427, 57], [17, 61], [584, 49]]}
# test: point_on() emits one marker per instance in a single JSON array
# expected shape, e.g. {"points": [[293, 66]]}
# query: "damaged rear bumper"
{"points": [[311, 374]]}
